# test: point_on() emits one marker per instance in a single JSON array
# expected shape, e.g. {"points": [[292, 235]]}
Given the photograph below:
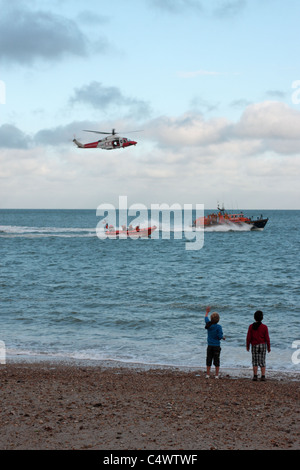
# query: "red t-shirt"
{"points": [[259, 336]]}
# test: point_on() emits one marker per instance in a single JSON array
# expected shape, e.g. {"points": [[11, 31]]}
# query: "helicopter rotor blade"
{"points": [[113, 132], [129, 132], [97, 132]]}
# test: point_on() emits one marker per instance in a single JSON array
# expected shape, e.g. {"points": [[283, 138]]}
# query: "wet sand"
{"points": [[58, 406]]}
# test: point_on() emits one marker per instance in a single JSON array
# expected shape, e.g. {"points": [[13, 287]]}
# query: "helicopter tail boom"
{"points": [[78, 143], [86, 146]]}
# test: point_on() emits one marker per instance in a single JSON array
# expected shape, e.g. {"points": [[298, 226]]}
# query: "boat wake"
{"points": [[81, 232], [31, 232], [230, 227]]}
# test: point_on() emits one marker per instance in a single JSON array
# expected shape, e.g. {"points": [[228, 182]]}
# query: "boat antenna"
{"points": [[219, 208]]}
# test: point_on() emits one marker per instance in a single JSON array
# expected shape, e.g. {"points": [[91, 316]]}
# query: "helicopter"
{"points": [[111, 142]]}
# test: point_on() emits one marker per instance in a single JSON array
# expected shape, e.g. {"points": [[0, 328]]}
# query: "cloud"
{"points": [[177, 6], [268, 126], [274, 124], [215, 8], [276, 94], [12, 137], [90, 17], [185, 158], [27, 35], [187, 130], [240, 103], [230, 8], [269, 120], [200, 103], [60, 135], [99, 96]]}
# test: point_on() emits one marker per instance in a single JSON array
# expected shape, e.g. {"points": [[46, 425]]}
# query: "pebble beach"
{"points": [[57, 406]]}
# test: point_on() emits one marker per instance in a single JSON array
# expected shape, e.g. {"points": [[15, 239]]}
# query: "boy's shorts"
{"points": [[259, 354], [213, 355]]}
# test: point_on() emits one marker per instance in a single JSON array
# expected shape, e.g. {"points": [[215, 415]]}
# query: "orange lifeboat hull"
{"points": [[134, 233], [223, 218]]}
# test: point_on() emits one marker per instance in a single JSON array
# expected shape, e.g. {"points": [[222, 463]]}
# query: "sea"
{"points": [[69, 294]]}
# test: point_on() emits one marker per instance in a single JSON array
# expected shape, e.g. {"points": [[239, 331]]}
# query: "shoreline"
{"points": [[233, 372], [82, 405]]}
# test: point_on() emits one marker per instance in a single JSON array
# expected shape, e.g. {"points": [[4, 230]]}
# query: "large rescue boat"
{"points": [[222, 218], [130, 232]]}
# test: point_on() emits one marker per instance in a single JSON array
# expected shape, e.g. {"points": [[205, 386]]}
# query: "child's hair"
{"points": [[258, 316], [215, 317]]}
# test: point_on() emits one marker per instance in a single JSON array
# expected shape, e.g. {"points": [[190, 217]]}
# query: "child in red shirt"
{"points": [[258, 337]]}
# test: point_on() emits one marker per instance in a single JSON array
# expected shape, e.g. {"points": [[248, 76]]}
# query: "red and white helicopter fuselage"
{"points": [[111, 142]]}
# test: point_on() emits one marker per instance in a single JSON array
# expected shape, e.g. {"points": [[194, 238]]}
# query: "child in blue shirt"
{"points": [[214, 335]]}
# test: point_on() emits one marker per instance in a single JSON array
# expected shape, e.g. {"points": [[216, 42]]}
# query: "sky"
{"points": [[211, 86]]}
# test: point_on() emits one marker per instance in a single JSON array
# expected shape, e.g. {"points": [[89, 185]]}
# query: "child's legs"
{"points": [[209, 358], [254, 350], [259, 358], [217, 352], [262, 369], [262, 364]]}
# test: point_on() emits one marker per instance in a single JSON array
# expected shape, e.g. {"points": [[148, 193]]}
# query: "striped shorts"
{"points": [[259, 354]]}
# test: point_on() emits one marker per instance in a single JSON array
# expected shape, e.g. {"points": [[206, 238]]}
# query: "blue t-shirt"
{"points": [[214, 333]]}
